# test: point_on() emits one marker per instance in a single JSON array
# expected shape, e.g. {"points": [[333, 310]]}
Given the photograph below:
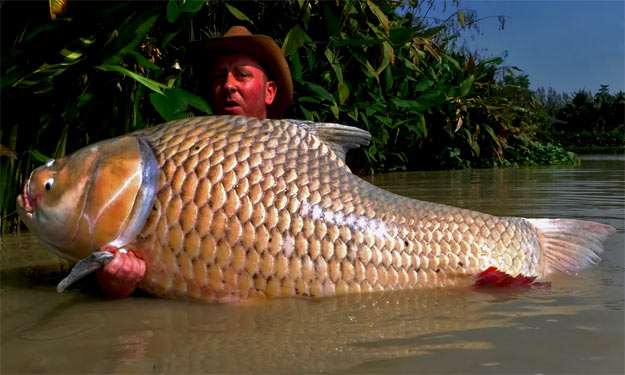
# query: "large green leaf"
{"points": [[145, 62], [152, 85], [465, 85], [194, 101], [400, 35], [387, 54], [380, 15], [452, 61], [176, 7], [388, 79], [294, 39], [237, 13], [423, 84], [169, 105], [492, 134], [334, 64], [343, 92], [295, 66], [318, 91]]}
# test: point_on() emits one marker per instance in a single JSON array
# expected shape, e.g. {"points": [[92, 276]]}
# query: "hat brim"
{"points": [[262, 48]]}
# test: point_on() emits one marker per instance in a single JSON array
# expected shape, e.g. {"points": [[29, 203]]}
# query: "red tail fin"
{"points": [[492, 277]]}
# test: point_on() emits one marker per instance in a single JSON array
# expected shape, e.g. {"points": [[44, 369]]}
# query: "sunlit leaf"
{"points": [[57, 8], [387, 56], [422, 127], [237, 13], [459, 123], [343, 92], [465, 85], [70, 55], [294, 39], [461, 20], [334, 64], [493, 60], [152, 85], [380, 15]]}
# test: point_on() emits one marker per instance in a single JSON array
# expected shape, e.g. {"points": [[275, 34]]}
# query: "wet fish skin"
{"points": [[250, 208], [230, 208]]}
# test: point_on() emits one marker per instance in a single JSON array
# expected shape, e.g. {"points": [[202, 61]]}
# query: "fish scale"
{"points": [[226, 208], [251, 208]]}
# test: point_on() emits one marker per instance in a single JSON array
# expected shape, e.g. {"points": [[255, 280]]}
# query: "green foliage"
{"points": [[105, 70], [603, 112], [109, 68], [585, 123], [425, 105]]}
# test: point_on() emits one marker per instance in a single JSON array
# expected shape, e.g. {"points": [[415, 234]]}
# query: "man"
{"points": [[248, 76]]}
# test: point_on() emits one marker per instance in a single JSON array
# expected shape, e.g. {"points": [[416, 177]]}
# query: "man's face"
{"points": [[240, 86]]}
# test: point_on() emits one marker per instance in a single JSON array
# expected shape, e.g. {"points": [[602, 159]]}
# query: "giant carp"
{"points": [[229, 208]]}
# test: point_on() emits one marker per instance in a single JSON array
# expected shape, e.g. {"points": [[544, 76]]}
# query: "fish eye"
{"points": [[50, 163], [49, 183]]}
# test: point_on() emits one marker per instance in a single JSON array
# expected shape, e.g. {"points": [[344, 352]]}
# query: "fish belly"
{"points": [[251, 208]]}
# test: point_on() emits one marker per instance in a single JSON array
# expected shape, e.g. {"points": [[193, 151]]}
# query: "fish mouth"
{"points": [[24, 201]]}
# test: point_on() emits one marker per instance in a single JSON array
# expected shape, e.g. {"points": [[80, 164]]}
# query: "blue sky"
{"points": [[566, 44]]}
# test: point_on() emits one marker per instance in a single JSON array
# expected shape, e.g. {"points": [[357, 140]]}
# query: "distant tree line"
{"points": [[583, 122]]}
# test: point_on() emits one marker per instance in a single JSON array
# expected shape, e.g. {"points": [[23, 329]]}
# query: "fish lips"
{"points": [[25, 204]]}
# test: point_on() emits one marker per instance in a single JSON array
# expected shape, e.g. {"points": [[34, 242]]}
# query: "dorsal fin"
{"points": [[340, 138]]}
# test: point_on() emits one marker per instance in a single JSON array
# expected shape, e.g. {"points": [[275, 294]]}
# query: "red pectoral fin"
{"points": [[492, 277], [121, 276]]}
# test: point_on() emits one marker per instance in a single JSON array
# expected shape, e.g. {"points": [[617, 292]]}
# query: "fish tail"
{"points": [[570, 245]]}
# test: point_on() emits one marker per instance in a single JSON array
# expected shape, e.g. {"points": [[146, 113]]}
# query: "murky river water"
{"points": [[575, 326]]}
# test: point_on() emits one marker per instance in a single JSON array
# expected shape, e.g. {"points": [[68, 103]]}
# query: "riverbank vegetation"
{"points": [[586, 123], [103, 69]]}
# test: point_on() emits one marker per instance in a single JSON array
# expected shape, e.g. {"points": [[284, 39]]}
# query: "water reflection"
{"points": [[335, 334], [574, 326]]}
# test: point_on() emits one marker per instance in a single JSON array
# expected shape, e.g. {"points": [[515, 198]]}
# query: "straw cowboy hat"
{"points": [[238, 39]]}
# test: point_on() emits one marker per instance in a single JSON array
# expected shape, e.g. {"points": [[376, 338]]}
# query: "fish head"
{"points": [[99, 195]]}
